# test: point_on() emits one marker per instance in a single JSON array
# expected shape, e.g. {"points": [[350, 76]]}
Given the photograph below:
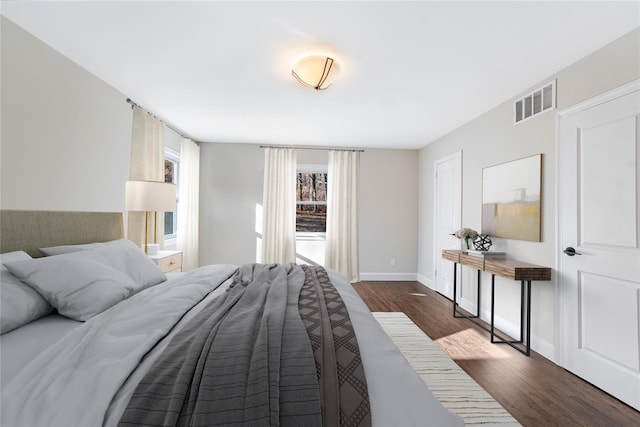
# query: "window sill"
{"points": [[170, 243], [307, 236]]}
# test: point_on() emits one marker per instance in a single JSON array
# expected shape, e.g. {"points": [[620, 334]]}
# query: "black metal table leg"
{"points": [[455, 275], [478, 295], [496, 338], [521, 310], [525, 316], [493, 303], [528, 318]]}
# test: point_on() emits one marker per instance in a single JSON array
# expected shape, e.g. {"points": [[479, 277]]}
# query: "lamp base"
{"points": [[152, 249]]}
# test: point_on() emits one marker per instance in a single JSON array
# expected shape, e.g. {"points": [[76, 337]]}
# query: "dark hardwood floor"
{"points": [[533, 389]]}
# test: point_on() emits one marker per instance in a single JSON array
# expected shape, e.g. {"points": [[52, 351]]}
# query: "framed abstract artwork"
{"points": [[511, 199]]}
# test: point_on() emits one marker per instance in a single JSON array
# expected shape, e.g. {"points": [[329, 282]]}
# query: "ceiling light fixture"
{"points": [[317, 72]]}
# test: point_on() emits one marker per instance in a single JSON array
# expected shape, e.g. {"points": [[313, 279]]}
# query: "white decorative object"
{"points": [[482, 242], [486, 254]]}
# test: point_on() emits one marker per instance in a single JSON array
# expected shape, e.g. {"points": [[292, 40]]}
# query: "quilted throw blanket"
{"points": [[337, 355], [247, 359]]}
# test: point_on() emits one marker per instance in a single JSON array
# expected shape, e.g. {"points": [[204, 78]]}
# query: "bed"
{"points": [[108, 339]]}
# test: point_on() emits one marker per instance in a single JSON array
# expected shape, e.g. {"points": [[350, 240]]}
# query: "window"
{"points": [[311, 200], [171, 168]]}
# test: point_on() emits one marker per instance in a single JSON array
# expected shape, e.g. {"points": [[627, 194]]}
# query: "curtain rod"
{"points": [[167, 124], [355, 150]]}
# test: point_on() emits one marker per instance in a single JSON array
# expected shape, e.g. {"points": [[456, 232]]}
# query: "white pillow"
{"points": [[80, 284], [19, 303]]}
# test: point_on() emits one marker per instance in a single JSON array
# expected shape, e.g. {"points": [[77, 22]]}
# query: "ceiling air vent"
{"points": [[538, 101]]}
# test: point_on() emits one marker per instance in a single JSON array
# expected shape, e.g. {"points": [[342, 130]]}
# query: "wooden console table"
{"points": [[510, 269]]}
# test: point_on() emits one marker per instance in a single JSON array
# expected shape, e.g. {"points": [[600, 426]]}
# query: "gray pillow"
{"points": [[65, 249], [84, 283], [123, 255], [80, 284], [19, 303]]}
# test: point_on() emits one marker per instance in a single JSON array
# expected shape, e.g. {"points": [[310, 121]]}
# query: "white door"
{"points": [[598, 182], [448, 200]]}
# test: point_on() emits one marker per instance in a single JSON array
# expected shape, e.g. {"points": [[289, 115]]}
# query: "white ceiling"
{"points": [[411, 71]]}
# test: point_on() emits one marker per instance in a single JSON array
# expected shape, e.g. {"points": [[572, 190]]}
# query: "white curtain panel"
{"points": [[189, 203], [279, 206], [147, 163], [342, 214]]}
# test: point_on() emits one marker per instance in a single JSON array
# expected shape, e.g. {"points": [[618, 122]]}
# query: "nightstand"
{"points": [[168, 261]]}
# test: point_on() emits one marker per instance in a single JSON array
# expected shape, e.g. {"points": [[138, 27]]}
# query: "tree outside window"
{"points": [[311, 200]]}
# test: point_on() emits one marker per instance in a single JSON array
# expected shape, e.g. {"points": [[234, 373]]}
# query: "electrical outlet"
{"points": [[393, 262]]}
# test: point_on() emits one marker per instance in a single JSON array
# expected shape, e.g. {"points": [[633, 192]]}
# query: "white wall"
{"points": [[492, 138], [388, 214], [172, 139], [231, 179], [230, 192], [66, 135]]}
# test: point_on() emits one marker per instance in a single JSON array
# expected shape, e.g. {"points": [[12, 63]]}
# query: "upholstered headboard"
{"points": [[30, 230]]}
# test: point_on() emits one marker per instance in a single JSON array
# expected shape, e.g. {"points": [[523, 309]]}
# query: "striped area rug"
{"points": [[457, 391]]}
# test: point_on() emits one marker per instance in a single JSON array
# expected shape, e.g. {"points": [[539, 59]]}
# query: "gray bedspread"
{"points": [[246, 359], [87, 378]]}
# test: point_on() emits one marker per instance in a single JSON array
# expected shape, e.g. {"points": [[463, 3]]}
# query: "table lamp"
{"points": [[150, 196]]}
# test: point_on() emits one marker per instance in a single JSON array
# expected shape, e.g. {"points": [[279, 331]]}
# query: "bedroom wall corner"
{"points": [[66, 134]]}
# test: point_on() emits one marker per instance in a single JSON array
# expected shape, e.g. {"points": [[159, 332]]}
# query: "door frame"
{"points": [[557, 277], [436, 256]]}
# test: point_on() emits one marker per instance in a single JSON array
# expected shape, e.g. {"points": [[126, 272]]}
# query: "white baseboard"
{"points": [[544, 348], [393, 277], [426, 282]]}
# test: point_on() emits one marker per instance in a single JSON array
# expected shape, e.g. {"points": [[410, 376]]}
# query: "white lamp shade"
{"points": [[317, 72], [150, 196]]}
